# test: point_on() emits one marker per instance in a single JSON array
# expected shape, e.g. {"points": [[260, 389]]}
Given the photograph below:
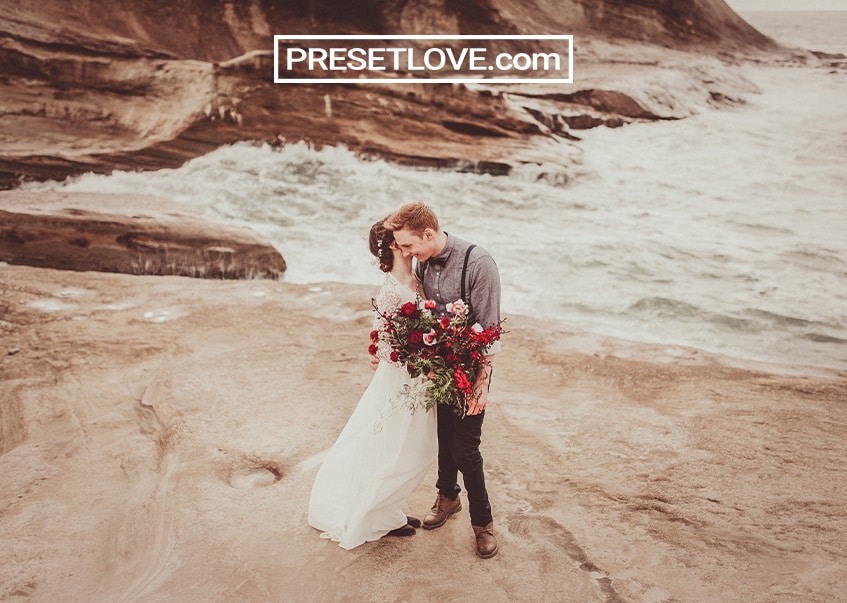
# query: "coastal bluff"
{"points": [[133, 234], [143, 85]]}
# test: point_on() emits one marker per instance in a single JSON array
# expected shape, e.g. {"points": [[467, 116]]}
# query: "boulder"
{"points": [[132, 234]]}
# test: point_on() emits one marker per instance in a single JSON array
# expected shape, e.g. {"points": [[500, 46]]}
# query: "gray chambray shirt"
{"points": [[441, 277]]}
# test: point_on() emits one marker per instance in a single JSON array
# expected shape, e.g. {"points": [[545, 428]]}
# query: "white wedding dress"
{"points": [[381, 455]]}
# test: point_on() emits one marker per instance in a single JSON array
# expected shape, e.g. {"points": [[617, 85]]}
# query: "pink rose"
{"points": [[429, 304], [430, 338], [457, 308]]}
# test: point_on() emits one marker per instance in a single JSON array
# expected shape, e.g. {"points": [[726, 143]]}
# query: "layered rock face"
{"points": [[146, 84], [97, 86], [129, 234]]}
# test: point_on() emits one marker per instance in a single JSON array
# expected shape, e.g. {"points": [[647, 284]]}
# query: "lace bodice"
{"points": [[391, 296]]}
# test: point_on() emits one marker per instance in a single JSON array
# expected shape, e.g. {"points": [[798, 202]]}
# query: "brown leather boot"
{"points": [[486, 543], [441, 510]]}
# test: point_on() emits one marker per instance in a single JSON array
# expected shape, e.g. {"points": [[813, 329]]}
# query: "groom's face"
{"points": [[421, 246]]}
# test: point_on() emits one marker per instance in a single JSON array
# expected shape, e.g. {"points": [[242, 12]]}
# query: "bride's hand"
{"points": [[374, 362]]}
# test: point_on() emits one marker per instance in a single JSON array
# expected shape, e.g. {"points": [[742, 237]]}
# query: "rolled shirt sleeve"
{"points": [[484, 292]]}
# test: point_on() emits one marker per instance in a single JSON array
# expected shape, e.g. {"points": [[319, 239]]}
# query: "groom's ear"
{"points": [[428, 234]]}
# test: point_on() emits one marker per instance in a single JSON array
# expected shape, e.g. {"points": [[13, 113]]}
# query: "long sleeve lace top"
{"points": [[388, 300]]}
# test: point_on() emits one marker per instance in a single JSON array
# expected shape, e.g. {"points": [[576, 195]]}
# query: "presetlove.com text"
{"points": [[435, 59]]}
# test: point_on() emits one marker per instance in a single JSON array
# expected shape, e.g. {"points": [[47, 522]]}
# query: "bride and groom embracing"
{"points": [[386, 447]]}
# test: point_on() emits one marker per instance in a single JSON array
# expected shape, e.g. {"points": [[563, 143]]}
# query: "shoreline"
{"points": [[160, 437], [182, 241]]}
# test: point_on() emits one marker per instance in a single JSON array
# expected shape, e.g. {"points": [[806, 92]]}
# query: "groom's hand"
{"points": [[478, 403]]}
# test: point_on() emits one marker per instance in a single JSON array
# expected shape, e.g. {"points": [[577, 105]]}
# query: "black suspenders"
{"points": [[464, 273]]}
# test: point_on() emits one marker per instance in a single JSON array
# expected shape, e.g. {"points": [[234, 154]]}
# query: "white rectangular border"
{"points": [[420, 80]]}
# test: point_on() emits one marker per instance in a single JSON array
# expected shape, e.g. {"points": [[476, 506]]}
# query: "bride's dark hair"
{"points": [[380, 241]]}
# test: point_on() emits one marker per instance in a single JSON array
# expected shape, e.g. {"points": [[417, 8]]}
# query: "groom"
{"points": [[449, 269]]}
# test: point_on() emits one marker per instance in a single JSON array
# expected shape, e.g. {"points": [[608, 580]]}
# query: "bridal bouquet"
{"points": [[444, 349]]}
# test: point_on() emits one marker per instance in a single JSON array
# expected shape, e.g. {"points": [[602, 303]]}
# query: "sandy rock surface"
{"points": [[159, 437]]}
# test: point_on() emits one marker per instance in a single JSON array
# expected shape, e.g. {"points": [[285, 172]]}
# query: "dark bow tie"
{"points": [[436, 262]]}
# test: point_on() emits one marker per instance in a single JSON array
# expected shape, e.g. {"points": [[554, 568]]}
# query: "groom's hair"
{"points": [[414, 217]]}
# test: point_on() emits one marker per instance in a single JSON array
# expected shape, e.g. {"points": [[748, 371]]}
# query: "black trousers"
{"points": [[458, 450]]}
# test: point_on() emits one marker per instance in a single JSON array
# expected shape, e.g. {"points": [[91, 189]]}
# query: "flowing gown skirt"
{"points": [[381, 456]]}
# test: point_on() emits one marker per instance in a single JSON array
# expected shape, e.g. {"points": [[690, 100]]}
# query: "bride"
{"points": [[385, 450]]}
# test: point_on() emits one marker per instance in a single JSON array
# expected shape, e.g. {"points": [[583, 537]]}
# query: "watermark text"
{"points": [[437, 59]]}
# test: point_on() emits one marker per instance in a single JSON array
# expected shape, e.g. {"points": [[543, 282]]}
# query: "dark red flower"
{"points": [[372, 349], [409, 309], [462, 380], [415, 337]]}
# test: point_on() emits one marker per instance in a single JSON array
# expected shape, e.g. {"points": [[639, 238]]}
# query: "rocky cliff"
{"points": [[144, 84]]}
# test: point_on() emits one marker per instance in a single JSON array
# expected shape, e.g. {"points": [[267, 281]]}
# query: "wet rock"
{"points": [[129, 234]]}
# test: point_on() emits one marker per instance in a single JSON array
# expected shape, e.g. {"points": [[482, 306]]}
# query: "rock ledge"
{"points": [[133, 234]]}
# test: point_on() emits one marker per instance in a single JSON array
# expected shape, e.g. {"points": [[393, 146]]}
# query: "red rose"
{"points": [[445, 322], [372, 349], [374, 335], [429, 304], [409, 309], [415, 337], [394, 356], [462, 380]]}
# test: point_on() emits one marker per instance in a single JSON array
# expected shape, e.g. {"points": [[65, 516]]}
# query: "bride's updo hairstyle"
{"points": [[414, 217], [380, 240]]}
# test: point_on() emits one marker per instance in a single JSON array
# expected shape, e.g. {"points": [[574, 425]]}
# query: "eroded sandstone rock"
{"points": [[148, 84], [127, 233]]}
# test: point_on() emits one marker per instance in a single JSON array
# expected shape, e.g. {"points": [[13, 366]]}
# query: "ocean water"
{"points": [[821, 30], [725, 231]]}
